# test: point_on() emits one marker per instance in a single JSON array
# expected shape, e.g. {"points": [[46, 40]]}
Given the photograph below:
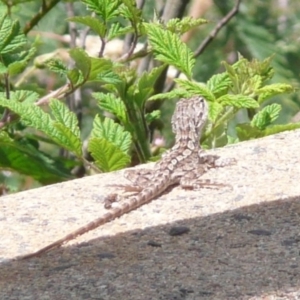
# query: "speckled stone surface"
{"points": [[239, 243]]}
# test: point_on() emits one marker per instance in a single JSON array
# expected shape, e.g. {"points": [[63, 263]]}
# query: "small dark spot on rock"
{"points": [[106, 255], [178, 230], [237, 245], [185, 292], [153, 244], [205, 293], [241, 217], [260, 232], [294, 266], [63, 267], [290, 241]]}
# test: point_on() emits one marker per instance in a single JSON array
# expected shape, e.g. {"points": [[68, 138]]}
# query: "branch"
{"points": [[43, 11], [216, 30], [210, 38]]}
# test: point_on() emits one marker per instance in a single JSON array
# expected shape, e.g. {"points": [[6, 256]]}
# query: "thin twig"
{"points": [[131, 49], [209, 38], [43, 11], [103, 44], [72, 26], [216, 30]]}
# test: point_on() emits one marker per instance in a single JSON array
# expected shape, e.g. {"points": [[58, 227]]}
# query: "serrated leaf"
{"points": [[168, 48], [20, 62], [110, 103], [117, 30], [130, 11], [280, 128], [34, 116], [271, 90], [239, 101], [67, 126], [27, 97], [31, 115], [196, 88], [12, 38], [64, 116], [57, 66], [176, 93], [113, 132], [95, 24], [106, 9], [82, 61], [154, 115], [108, 157], [219, 84], [109, 77], [66, 138], [99, 66], [215, 109], [145, 85], [183, 25], [266, 116], [22, 96]]}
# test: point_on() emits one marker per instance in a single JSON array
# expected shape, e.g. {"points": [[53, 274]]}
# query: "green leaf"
{"points": [[82, 61], [67, 139], [20, 62], [215, 110], [57, 66], [168, 48], [183, 25], [144, 87], [247, 132], [152, 116], [108, 157], [67, 126], [271, 90], [176, 93], [75, 77], [117, 30], [23, 157], [96, 25], [239, 101], [99, 66], [34, 116], [129, 11], [106, 9], [196, 88], [12, 38], [22, 96], [219, 84], [266, 116], [109, 77], [280, 128], [28, 97], [110, 103], [31, 115], [113, 132]]}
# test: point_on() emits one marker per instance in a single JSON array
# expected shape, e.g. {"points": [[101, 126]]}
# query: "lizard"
{"points": [[182, 164]]}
